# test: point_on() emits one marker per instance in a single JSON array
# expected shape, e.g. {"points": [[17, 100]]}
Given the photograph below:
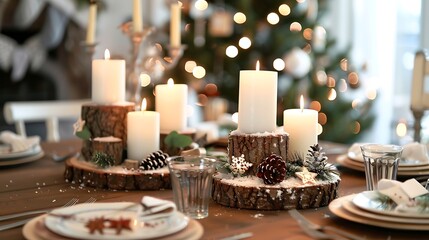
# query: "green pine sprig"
{"points": [[102, 159]]}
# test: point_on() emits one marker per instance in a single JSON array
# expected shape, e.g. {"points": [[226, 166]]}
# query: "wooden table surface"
{"points": [[40, 185]]}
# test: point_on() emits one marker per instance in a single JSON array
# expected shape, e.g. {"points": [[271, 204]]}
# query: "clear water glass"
{"points": [[381, 162], [191, 180]]}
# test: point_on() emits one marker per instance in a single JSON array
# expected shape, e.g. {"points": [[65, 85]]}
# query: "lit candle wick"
{"points": [[170, 82], [301, 103], [144, 105], [257, 65], [106, 54]]}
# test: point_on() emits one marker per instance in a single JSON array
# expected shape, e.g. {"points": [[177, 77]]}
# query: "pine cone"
{"points": [[316, 159], [272, 170], [154, 161]]}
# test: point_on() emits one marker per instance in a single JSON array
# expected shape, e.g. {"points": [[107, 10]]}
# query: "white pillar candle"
{"points": [[108, 80], [92, 19], [142, 133], [137, 16], [175, 40], [301, 124], [171, 101], [257, 101]]}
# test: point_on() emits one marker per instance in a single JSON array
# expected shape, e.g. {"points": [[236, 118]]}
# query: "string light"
{"points": [[342, 85], [279, 64], [144, 79], [332, 95], [273, 18], [201, 5], [189, 66], [199, 72], [239, 18], [295, 27], [244, 43], [284, 9], [231, 51]]}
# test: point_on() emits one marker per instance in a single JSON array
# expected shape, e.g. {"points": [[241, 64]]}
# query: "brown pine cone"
{"points": [[272, 170]]}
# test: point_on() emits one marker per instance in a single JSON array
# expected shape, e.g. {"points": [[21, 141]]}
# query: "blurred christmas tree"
{"points": [[224, 37]]}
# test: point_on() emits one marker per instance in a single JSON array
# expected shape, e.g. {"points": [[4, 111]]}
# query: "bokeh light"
{"points": [[235, 117], [239, 18], [231, 51], [244, 43], [307, 34], [211, 89], [189, 66], [199, 72], [356, 127], [279, 64], [315, 105], [342, 86], [273, 18], [144, 79], [295, 27], [401, 129], [284, 9], [332, 95], [201, 5], [322, 118], [344, 64]]}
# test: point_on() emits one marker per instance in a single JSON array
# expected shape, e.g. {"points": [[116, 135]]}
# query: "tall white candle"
{"points": [[175, 40], [137, 16], [301, 124], [171, 101], [257, 101], [92, 19], [108, 80], [142, 133]]}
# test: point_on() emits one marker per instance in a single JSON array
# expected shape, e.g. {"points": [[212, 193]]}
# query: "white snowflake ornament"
{"points": [[239, 165]]}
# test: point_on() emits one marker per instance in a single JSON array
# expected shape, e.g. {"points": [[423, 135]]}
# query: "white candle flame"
{"points": [[144, 104], [106, 54], [301, 103], [170, 82], [257, 65]]}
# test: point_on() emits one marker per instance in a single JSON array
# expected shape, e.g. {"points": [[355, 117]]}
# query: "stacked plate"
{"points": [[368, 208], [117, 220], [8, 158], [407, 167]]}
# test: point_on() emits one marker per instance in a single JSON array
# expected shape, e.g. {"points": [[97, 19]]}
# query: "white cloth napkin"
{"points": [[19, 143], [412, 151], [402, 193], [156, 208]]}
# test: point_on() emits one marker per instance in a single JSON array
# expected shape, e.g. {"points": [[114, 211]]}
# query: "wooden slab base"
{"points": [[115, 178], [245, 195]]}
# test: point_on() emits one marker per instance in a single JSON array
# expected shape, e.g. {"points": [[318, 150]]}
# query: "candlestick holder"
{"points": [[418, 115], [133, 87], [89, 49], [155, 63]]}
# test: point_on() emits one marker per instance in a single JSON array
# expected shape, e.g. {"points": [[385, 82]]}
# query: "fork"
{"points": [[72, 202], [316, 230]]}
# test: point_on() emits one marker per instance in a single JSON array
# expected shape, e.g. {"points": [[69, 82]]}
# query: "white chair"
{"points": [[420, 92], [49, 111]]}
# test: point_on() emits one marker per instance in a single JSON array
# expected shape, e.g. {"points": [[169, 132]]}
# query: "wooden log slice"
{"points": [[257, 147], [115, 178], [107, 120], [245, 194], [109, 145]]}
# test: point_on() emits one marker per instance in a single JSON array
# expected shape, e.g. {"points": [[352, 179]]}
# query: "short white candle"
{"points": [[170, 102], [142, 133], [137, 16], [92, 19], [175, 40], [301, 124], [108, 80], [257, 101]]}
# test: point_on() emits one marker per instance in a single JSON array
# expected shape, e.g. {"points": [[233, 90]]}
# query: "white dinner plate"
{"points": [[370, 201], [17, 161], [349, 206], [403, 162], [345, 161], [14, 155], [337, 208], [75, 227]]}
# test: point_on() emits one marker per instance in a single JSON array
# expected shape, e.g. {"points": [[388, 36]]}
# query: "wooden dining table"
{"points": [[40, 184]]}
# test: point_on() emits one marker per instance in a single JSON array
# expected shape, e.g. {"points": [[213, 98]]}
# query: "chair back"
{"points": [[48, 111]]}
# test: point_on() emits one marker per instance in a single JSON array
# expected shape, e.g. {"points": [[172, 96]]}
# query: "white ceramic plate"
{"points": [[349, 206], [14, 155], [403, 162], [75, 228], [345, 161], [337, 208], [17, 161], [370, 201]]}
